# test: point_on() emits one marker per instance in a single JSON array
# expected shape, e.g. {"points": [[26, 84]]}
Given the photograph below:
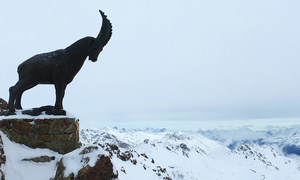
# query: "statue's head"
{"points": [[94, 50], [101, 40]]}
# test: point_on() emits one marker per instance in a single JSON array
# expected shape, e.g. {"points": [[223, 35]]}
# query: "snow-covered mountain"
{"points": [[197, 155], [285, 140], [166, 154]]}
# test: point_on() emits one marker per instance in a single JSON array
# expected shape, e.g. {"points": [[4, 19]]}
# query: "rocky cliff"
{"points": [[51, 142], [20, 162]]}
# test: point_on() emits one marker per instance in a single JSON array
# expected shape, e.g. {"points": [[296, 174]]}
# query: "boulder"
{"points": [[102, 170]]}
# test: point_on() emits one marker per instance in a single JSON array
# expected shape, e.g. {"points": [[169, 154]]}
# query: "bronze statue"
{"points": [[58, 67]]}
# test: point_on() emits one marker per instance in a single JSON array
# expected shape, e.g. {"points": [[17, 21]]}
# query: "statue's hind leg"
{"points": [[19, 96], [13, 91]]}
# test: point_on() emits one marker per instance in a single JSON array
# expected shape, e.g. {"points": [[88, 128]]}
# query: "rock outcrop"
{"points": [[2, 159], [58, 134], [103, 170], [41, 159], [3, 105]]}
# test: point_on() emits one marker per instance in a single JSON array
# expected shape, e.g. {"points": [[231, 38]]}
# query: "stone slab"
{"points": [[58, 134]]}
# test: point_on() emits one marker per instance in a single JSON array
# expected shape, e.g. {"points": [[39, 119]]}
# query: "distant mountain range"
{"points": [[285, 140]]}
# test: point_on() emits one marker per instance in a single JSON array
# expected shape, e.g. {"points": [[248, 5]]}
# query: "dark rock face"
{"points": [[2, 159], [41, 159], [103, 170], [58, 134], [2, 155], [60, 171]]}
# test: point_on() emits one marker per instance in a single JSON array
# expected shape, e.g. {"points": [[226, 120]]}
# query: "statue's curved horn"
{"points": [[106, 30]]}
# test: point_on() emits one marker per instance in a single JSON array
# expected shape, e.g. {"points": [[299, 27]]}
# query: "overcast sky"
{"points": [[169, 60]]}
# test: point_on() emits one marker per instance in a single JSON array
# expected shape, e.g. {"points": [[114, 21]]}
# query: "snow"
{"points": [[156, 154], [15, 168]]}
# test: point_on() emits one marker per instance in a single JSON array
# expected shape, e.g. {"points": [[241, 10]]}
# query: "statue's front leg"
{"points": [[60, 92]]}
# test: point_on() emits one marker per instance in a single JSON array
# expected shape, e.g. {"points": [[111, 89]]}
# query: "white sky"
{"points": [[167, 60]]}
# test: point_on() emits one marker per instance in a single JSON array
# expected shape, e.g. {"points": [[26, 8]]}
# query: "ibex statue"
{"points": [[58, 67]]}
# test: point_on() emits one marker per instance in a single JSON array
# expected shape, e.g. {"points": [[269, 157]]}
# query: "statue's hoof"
{"points": [[7, 113], [49, 110], [55, 111], [19, 108]]}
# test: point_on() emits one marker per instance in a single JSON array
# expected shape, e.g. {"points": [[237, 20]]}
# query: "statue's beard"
{"points": [[92, 59]]}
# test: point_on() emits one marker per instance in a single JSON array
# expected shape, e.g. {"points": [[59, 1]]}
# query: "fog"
{"points": [[167, 60]]}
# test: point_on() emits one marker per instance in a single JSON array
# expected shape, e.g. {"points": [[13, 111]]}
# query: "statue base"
{"points": [[58, 133], [48, 110]]}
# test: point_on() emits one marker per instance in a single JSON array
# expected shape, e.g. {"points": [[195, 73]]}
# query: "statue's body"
{"points": [[58, 67]]}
